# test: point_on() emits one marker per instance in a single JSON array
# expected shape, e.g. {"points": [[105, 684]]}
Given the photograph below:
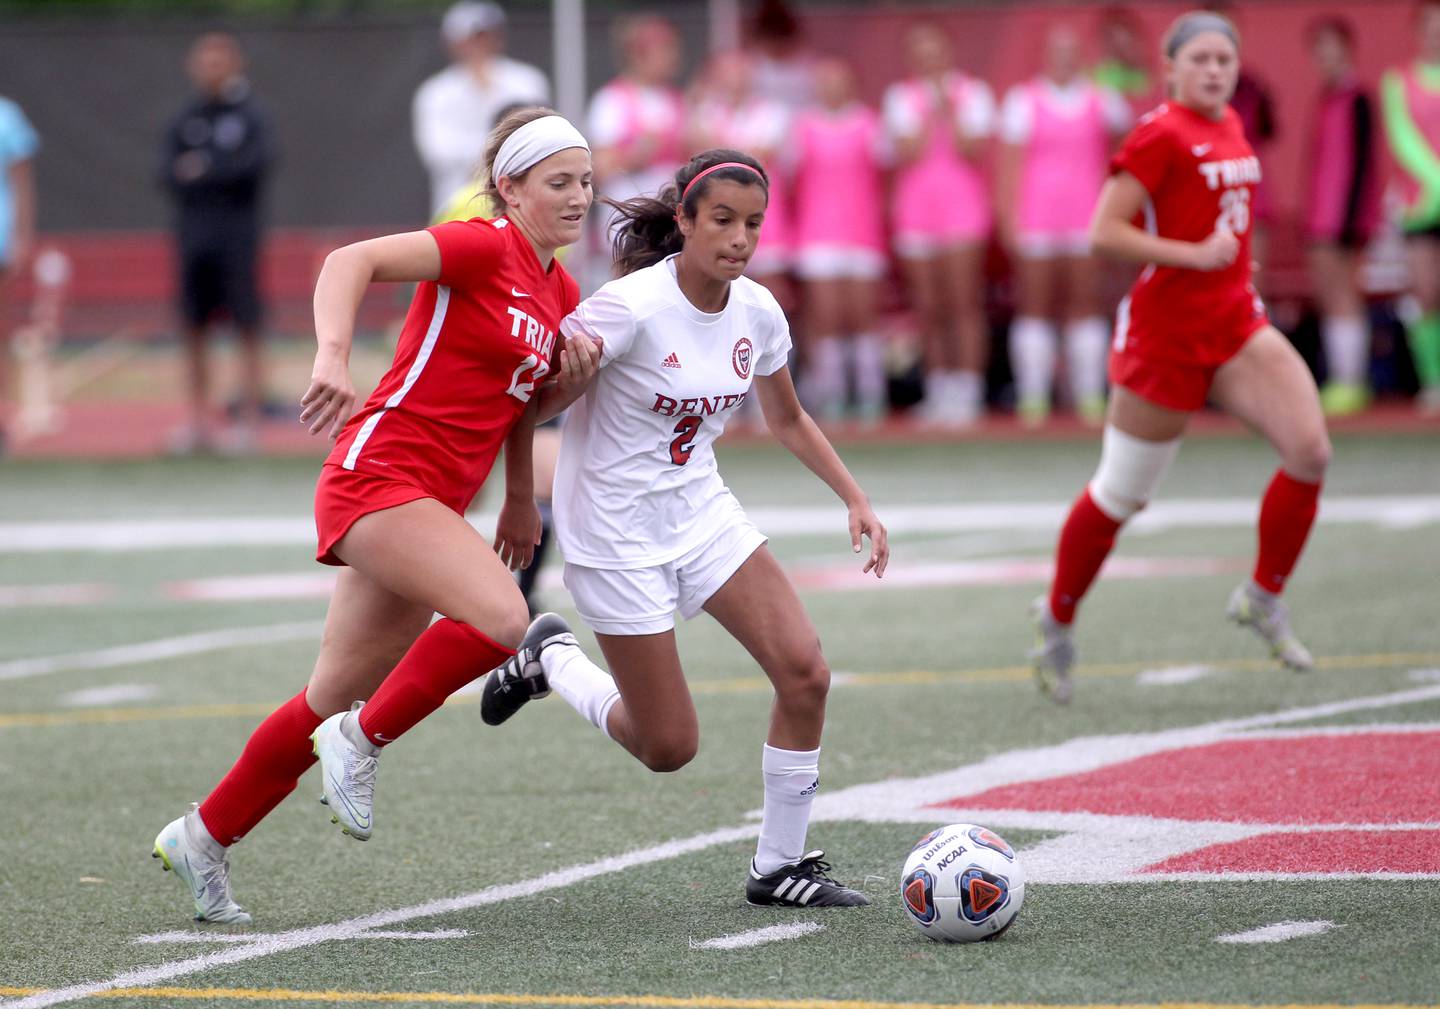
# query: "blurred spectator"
{"points": [[1056, 131], [840, 245], [939, 120], [725, 110], [454, 111], [1124, 65], [217, 153], [783, 66], [1410, 95], [1344, 209], [18, 144], [635, 120]]}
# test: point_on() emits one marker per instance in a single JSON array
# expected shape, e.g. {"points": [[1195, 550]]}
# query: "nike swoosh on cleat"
{"points": [[354, 815]]}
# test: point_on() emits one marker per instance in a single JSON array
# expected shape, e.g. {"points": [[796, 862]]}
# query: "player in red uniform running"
{"points": [[1191, 329], [389, 507]]}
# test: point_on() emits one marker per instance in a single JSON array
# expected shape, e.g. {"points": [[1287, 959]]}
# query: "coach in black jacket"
{"points": [[217, 153]]}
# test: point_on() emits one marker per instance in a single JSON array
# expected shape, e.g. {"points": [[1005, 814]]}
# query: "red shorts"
{"points": [[1177, 385], [342, 496]]}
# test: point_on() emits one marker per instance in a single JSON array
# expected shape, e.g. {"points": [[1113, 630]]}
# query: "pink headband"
{"points": [[715, 168]]}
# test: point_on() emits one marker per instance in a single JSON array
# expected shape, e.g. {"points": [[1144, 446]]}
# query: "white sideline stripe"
{"points": [[1173, 674], [14, 596], [120, 693], [1279, 932], [760, 936], [432, 333], [284, 942], [172, 938], [123, 535], [162, 648]]}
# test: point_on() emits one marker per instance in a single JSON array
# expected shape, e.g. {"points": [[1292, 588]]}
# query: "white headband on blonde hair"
{"points": [[533, 143]]}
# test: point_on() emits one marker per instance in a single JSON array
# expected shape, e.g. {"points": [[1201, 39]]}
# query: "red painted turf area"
{"points": [[1327, 851], [1364, 778]]}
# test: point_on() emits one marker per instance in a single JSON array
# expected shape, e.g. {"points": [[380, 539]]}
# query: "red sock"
{"points": [[441, 661], [1085, 541], [1286, 514], [277, 753]]}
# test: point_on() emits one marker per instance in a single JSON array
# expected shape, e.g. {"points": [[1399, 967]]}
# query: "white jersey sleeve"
{"points": [[1017, 118], [606, 316], [977, 111], [898, 111], [775, 345]]}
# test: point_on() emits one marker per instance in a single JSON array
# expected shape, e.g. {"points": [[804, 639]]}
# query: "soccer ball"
{"points": [[962, 883]]}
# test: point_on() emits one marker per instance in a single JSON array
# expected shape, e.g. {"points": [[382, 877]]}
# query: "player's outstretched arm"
{"points": [[518, 530], [799, 433], [347, 272], [1113, 232], [578, 362]]}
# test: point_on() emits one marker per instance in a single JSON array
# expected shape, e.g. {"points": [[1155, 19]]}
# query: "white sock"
{"points": [[1087, 349], [1032, 357], [968, 390], [870, 380], [823, 385], [792, 777], [581, 683], [1347, 348]]}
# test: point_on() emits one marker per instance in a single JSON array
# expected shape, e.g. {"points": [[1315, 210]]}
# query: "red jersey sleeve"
{"points": [[468, 250], [1147, 153]]}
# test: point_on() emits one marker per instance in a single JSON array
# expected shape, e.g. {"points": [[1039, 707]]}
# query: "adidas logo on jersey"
{"points": [[670, 362]]}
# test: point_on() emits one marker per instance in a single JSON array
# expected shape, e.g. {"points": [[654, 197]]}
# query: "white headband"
{"points": [[533, 143]]}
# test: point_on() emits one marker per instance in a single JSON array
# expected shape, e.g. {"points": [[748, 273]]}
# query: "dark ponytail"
{"points": [[645, 232]]}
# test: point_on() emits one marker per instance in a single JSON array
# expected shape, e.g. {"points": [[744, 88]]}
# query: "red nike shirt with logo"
{"points": [[476, 343], [1200, 174]]}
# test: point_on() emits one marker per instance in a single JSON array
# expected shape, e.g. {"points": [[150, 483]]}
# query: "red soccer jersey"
{"points": [[476, 343], [1199, 173]]}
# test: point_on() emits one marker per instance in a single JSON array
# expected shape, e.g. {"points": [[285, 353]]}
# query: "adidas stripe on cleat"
{"points": [[807, 883], [521, 678]]}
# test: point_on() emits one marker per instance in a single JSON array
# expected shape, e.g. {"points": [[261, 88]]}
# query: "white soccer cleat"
{"points": [[187, 848], [1053, 655], [347, 774], [1268, 616]]}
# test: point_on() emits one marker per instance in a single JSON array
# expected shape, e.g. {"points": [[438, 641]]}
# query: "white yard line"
{"points": [[232, 938], [1168, 675], [1401, 511], [284, 942], [1279, 932], [119, 693], [162, 648], [760, 936]]}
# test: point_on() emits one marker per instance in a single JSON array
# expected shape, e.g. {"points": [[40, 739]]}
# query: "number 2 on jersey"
{"points": [[1234, 211], [522, 388], [684, 442]]}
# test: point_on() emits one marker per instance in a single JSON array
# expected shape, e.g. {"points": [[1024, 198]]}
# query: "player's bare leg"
{"points": [[760, 608], [1268, 386], [426, 553]]}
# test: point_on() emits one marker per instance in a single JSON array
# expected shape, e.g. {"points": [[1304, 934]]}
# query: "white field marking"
{"points": [[1280, 931], [123, 535], [180, 938], [1174, 674], [1425, 675], [282, 585], [120, 693], [80, 594], [845, 576], [760, 936], [1101, 848], [284, 942], [162, 648]]}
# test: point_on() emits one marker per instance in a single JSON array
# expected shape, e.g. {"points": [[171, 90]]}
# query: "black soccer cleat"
{"points": [[521, 677], [805, 884]]}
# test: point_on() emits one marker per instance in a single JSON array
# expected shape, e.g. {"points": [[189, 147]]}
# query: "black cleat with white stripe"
{"points": [[805, 884], [521, 678]]}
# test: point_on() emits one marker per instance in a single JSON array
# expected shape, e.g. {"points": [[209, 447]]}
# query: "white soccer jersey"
{"points": [[636, 484]]}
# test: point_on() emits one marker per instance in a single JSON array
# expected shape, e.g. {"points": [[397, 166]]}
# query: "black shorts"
{"points": [[218, 278]]}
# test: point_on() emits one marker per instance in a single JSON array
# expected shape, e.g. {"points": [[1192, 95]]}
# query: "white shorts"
{"points": [[1052, 244], [913, 246], [839, 262], [631, 601]]}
